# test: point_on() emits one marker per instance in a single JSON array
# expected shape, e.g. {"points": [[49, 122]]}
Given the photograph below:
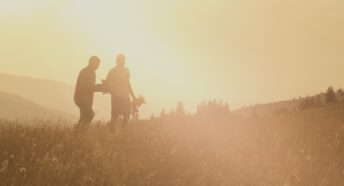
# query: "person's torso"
{"points": [[84, 86], [119, 82]]}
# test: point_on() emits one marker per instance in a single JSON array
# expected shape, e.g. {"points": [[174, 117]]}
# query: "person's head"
{"points": [[94, 62], [120, 60]]}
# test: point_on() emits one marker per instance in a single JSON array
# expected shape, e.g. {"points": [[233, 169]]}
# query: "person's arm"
{"points": [[129, 85], [107, 84], [108, 76], [131, 91], [92, 82]]}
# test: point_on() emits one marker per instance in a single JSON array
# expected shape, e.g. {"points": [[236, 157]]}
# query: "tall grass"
{"points": [[293, 148]]}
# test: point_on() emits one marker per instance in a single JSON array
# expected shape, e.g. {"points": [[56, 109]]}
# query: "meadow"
{"points": [[289, 148]]}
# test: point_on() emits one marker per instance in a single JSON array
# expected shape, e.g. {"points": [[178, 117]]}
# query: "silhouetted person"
{"points": [[120, 90], [84, 91]]}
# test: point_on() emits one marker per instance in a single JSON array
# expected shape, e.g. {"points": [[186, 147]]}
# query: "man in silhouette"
{"points": [[84, 91], [120, 90]]}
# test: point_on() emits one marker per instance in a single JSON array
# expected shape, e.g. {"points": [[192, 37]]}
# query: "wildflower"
{"points": [[4, 165], [22, 170], [309, 157], [88, 179]]}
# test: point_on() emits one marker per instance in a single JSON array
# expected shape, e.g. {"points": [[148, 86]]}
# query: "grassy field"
{"points": [[291, 148]]}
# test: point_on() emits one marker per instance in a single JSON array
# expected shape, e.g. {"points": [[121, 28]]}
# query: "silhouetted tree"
{"points": [[254, 113], [152, 117], [162, 113], [213, 109], [330, 95], [180, 109], [340, 94], [171, 112], [227, 107]]}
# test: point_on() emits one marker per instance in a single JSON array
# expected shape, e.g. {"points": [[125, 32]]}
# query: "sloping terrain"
{"points": [[293, 148], [268, 109], [51, 94], [13, 107]]}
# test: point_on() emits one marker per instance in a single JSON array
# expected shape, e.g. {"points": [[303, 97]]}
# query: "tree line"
{"points": [[330, 96]]}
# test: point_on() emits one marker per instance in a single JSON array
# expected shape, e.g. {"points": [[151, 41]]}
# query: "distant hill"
{"points": [[316, 100], [59, 96], [268, 108], [51, 94], [13, 107]]}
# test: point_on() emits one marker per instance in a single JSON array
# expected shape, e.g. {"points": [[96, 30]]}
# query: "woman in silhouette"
{"points": [[120, 90]]}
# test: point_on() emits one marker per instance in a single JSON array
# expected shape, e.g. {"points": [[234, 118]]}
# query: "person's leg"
{"points": [[114, 112], [89, 116], [76, 101], [126, 119], [82, 117], [127, 111]]}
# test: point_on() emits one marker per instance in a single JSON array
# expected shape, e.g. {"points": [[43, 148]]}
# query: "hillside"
{"points": [[288, 105], [13, 107], [51, 94], [57, 95], [290, 149], [268, 108]]}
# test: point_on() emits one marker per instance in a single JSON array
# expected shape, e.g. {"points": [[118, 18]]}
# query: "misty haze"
{"points": [[183, 92]]}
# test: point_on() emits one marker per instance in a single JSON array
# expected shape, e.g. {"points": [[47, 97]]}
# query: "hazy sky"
{"points": [[243, 51]]}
